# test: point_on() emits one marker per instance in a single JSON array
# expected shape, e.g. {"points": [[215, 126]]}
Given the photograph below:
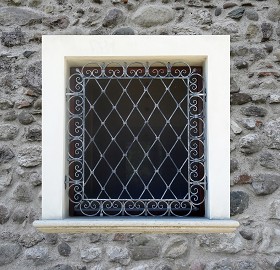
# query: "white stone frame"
{"points": [[59, 53]]}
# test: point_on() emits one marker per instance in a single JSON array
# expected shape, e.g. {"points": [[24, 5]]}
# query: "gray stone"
{"points": [[218, 11], [236, 13], [51, 238], [39, 255], [153, 15], [19, 16], [20, 215], [38, 104], [6, 104], [259, 53], [90, 253], [10, 116], [239, 202], [203, 16], [268, 48], [241, 64], [233, 86], [247, 234], [8, 132], [272, 131], [124, 31], [53, 22], [250, 144], [6, 154], [240, 51], [23, 193], [64, 249], [236, 129], [254, 111], [233, 165], [252, 31], [252, 15], [229, 5], [144, 252], [239, 98], [277, 266], [245, 265], [13, 38], [275, 209], [9, 253], [30, 239], [61, 267], [248, 123], [113, 17], [34, 133], [32, 77], [259, 98], [267, 160], [274, 14], [35, 179], [175, 248], [25, 118], [225, 28], [94, 237], [221, 243], [118, 254], [267, 30], [264, 184], [4, 214], [29, 156], [27, 54], [273, 98]]}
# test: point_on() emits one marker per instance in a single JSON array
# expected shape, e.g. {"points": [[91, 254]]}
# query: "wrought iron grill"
{"points": [[136, 140]]}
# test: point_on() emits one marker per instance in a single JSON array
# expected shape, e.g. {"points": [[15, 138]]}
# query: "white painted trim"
{"points": [[61, 52]]}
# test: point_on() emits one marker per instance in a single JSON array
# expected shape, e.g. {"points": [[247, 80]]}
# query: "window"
{"points": [[136, 140], [143, 152]]}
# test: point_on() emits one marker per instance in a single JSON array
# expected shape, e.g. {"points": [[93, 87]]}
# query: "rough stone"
{"points": [[250, 144], [144, 252], [30, 239], [64, 249], [254, 111], [239, 98], [248, 123], [225, 243], [247, 234], [51, 238], [267, 160], [225, 28], [175, 248], [267, 30], [8, 132], [13, 38], [233, 165], [235, 127], [25, 118], [6, 104], [118, 254], [243, 179], [54, 22], [91, 253], [113, 18], [268, 48], [273, 98], [6, 154], [218, 11], [35, 179], [32, 77], [124, 31], [10, 116], [203, 16], [274, 14], [4, 214], [153, 15], [236, 13], [19, 215], [9, 253], [29, 156], [264, 184], [233, 86], [275, 209], [240, 64], [19, 16], [252, 31], [259, 98], [252, 15], [23, 193], [272, 131], [229, 5], [38, 104], [239, 202], [39, 255], [34, 133], [277, 266]]}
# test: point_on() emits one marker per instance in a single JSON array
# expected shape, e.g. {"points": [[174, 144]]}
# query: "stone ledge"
{"points": [[136, 225]]}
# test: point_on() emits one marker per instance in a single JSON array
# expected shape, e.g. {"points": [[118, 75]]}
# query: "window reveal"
{"points": [[136, 140]]}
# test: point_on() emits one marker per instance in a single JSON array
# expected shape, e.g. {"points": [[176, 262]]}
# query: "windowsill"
{"points": [[136, 225]]}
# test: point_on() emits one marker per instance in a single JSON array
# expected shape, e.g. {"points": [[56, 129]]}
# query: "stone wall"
{"points": [[255, 140]]}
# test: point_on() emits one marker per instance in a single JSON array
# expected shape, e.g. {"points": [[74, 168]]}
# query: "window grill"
{"points": [[136, 140]]}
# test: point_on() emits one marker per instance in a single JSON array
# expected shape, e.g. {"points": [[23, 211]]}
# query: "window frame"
{"points": [[59, 53]]}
